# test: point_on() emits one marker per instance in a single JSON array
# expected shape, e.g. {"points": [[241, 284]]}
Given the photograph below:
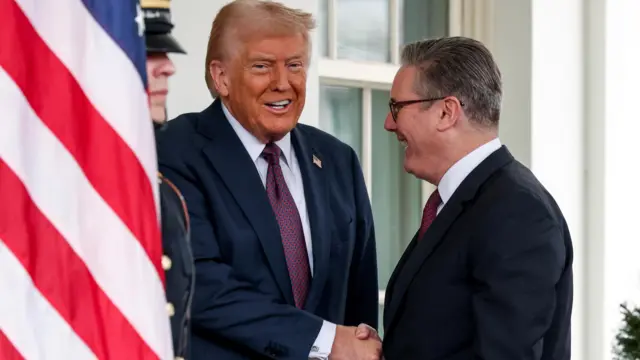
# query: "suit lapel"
{"points": [[421, 251], [316, 198], [392, 279], [237, 170], [423, 248]]}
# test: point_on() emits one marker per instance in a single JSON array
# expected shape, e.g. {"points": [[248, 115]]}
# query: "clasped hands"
{"points": [[356, 343]]}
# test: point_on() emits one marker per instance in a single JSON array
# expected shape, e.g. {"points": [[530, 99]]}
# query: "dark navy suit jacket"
{"points": [[491, 278], [243, 304]]}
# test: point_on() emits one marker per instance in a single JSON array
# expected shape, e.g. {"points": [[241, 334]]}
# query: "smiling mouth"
{"points": [[279, 105], [403, 141]]}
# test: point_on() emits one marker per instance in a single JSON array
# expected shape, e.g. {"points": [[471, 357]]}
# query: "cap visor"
{"points": [[163, 43]]}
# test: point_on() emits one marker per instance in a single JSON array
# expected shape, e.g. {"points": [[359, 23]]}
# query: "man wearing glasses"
{"points": [[489, 273]]}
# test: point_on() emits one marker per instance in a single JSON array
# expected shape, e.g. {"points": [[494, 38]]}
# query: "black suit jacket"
{"points": [[243, 305], [492, 277]]}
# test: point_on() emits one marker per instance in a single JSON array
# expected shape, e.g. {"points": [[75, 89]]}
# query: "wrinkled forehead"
{"points": [[250, 33]]}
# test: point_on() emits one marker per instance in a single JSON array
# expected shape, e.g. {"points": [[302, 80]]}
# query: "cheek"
{"points": [[416, 132], [250, 85], [299, 83], [407, 124], [247, 95], [157, 100]]}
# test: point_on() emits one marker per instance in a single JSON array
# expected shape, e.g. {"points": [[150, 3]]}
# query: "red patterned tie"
{"points": [[429, 213], [295, 250]]}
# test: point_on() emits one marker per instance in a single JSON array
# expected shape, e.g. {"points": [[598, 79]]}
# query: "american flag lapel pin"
{"points": [[317, 161]]}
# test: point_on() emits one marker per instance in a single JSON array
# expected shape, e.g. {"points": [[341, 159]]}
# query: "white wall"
{"points": [[187, 90]]}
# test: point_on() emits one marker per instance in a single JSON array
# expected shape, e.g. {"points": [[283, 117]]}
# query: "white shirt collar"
{"points": [[252, 144], [461, 169]]}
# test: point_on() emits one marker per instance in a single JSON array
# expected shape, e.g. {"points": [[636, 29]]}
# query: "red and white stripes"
{"points": [[80, 248]]}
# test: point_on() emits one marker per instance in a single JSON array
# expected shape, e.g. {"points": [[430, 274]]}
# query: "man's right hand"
{"points": [[347, 346]]}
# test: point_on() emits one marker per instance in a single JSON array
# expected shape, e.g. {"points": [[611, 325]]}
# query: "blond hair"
{"points": [[240, 20]]}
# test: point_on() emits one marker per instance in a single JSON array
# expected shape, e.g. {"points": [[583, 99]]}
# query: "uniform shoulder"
{"points": [[180, 126], [177, 136]]}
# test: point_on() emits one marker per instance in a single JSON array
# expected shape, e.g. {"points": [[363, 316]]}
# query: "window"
{"points": [[359, 41]]}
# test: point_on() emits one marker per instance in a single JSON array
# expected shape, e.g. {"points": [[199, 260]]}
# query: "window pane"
{"points": [[396, 195], [363, 30], [341, 114], [366, 37], [424, 19]]}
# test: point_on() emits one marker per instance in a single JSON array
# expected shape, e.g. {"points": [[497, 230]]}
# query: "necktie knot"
{"points": [[430, 212], [434, 201], [271, 153]]}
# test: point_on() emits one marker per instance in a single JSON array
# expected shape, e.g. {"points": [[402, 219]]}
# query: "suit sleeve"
{"points": [[519, 260], [227, 308], [362, 295]]}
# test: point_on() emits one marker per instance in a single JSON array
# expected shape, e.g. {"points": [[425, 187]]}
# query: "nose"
{"points": [[165, 67], [389, 123], [280, 78]]}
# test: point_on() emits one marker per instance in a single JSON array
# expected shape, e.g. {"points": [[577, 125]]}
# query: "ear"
{"points": [[219, 76], [450, 113]]}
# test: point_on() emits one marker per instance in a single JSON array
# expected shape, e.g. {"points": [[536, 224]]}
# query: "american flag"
{"points": [[80, 249]]}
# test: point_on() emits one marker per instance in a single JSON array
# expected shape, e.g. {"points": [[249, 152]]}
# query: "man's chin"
{"points": [[158, 114], [279, 128], [407, 164]]}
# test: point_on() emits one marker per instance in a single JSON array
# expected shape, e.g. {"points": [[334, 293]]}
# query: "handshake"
{"points": [[356, 343]]}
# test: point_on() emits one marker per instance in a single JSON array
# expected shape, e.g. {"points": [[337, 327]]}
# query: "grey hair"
{"points": [[460, 67]]}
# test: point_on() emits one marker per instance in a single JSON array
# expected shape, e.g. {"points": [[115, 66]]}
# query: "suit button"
{"points": [[170, 309], [166, 262]]}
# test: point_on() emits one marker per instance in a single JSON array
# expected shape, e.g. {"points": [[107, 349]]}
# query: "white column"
{"points": [[538, 46], [187, 90], [557, 129], [613, 168]]}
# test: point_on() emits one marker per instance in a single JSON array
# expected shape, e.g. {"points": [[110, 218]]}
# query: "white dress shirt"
{"points": [[462, 168], [293, 177]]}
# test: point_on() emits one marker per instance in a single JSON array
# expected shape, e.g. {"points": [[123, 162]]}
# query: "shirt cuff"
{"points": [[321, 348]]}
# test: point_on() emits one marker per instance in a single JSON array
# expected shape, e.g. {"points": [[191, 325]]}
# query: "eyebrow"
{"points": [[270, 58]]}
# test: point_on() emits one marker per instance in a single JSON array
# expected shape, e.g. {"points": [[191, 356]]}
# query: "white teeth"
{"points": [[281, 103]]}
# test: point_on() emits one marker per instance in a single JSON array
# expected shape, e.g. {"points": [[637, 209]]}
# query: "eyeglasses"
{"points": [[396, 106]]}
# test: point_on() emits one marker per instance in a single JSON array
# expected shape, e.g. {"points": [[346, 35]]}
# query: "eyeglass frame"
{"points": [[396, 106]]}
